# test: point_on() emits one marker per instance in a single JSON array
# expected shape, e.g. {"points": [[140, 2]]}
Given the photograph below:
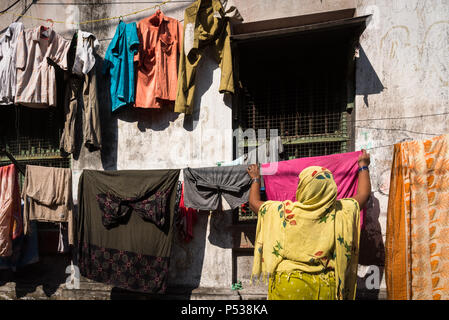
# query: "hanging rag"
{"points": [[63, 242], [81, 94], [11, 226], [36, 77], [47, 196], [150, 207], [119, 64], [25, 250], [281, 178], [86, 45], [204, 187], [134, 252], [205, 25], [157, 60], [417, 241], [8, 47], [186, 218]]}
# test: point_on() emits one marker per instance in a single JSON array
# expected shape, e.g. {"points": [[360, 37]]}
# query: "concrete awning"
{"points": [[341, 20]]}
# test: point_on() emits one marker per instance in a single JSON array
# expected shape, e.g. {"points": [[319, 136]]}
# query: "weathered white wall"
{"points": [[152, 139], [402, 73]]}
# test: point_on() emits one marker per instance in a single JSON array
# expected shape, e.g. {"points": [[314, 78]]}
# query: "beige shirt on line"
{"points": [[36, 79]]}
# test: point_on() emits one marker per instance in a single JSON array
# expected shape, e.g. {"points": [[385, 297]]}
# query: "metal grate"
{"points": [[298, 87], [57, 163], [310, 115], [32, 137], [295, 151]]}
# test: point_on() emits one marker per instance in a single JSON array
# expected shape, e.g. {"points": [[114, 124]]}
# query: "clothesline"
{"points": [[88, 21]]}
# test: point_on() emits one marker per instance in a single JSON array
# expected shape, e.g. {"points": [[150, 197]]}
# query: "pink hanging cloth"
{"points": [[281, 178], [188, 218], [11, 222]]}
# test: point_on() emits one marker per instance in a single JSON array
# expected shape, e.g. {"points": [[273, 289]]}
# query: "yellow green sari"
{"points": [[309, 248]]}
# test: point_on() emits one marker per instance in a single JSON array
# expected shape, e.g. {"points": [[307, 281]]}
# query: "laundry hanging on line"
{"points": [[185, 217], [157, 60], [36, 78], [11, 225], [126, 241], [25, 250], [206, 188], [8, 48], [417, 240], [47, 196], [119, 64], [81, 95], [205, 26], [152, 84]]}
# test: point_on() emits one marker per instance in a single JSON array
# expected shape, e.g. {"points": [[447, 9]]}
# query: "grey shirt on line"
{"points": [[203, 187]]}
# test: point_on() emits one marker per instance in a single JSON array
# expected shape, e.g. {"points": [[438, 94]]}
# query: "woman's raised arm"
{"points": [[364, 185]]}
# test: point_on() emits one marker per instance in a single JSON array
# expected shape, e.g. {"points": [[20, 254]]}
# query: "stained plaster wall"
{"points": [[402, 71], [402, 76]]}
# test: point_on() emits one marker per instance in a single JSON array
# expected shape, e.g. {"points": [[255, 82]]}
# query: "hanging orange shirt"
{"points": [[157, 60]]}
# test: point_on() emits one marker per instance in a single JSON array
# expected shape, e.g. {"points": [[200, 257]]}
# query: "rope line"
{"points": [[89, 21]]}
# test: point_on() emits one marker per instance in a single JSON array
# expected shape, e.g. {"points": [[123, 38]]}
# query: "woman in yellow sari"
{"points": [[309, 248]]}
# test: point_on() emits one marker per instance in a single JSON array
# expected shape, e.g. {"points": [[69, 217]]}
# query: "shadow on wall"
{"points": [[367, 81], [160, 119], [187, 258], [372, 253], [203, 81], [206, 70], [186, 264], [49, 273]]}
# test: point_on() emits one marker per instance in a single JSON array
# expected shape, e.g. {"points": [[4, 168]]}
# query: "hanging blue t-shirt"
{"points": [[119, 64]]}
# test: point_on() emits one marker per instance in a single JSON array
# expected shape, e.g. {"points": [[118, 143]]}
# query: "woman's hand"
{"points": [[364, 159], [254, 191], [253, 171]]}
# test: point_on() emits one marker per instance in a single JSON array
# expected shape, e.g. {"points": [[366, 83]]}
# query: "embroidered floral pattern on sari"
{"points": [[124, 269]]}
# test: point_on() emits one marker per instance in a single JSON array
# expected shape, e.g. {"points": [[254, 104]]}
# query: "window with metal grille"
{"points": [[32, 137], [299, 84]]}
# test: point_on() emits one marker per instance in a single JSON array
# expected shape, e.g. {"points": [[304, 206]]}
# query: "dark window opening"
{"points": [[300, 81], [32, 136]]}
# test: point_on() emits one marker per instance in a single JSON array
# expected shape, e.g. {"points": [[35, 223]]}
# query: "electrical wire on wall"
{"points": [[399, 129], [12, 5]]}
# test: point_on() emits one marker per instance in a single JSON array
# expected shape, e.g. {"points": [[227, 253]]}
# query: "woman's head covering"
{"points": [[316, 188]]}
